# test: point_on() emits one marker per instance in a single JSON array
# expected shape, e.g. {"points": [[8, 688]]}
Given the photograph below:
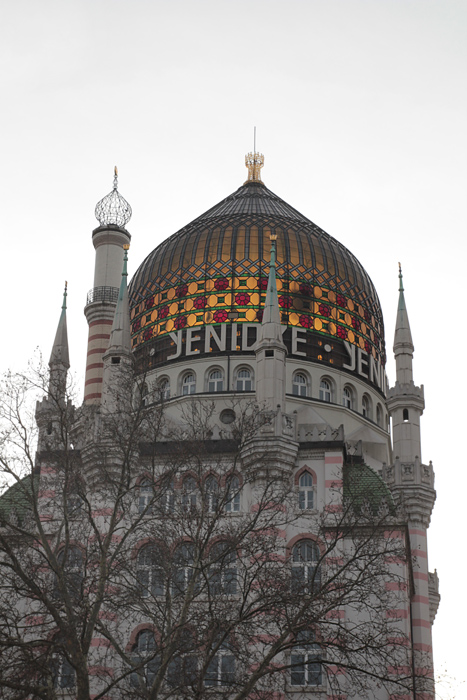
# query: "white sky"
{"points": [[360, 107]]}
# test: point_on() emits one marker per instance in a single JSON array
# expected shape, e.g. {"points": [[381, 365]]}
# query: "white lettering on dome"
{"points": [[190, 338], [296, 340], [219, 340]]}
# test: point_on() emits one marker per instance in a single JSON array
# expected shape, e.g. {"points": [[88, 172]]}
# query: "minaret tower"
{"points": [[113, 213], [412, 483]]}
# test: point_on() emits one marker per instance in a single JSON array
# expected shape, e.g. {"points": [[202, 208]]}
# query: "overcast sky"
{"points": [[360, 108]]}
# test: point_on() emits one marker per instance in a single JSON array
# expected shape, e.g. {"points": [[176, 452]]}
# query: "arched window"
{"points": [[183, 667], [211, 494], [223, 569], [306, 491], [347, 397], [305, 660], [63, 673], [405, 415], [163, 389], [306, 576], [146, 496], [366, 407], [72, 570], [299, 385], [215, 381], [188, 384], [189, 496], [167, 496], [244, 380], [379, 416], [145, 659], [325, 390], [232, 503], [183, 567], [221, 668], [149, 572]]}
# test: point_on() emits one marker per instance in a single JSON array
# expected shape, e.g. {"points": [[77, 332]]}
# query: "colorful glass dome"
{"points": [[214, 270]]}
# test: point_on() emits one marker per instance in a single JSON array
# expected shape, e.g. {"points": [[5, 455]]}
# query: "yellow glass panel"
{"points": [[332, 328], [189, 304], [254, 298], [252, 283], [226, 244], [331, 296], [169, 326], [240, 244], [351, 336], [193, 288], [347, 319], [173, 308], [317, 292], [212, 300], [254, 244], [364, 329], [318, 324], [170, 294], [201, 246], [191, 319], [293, 319], [251, 315]]}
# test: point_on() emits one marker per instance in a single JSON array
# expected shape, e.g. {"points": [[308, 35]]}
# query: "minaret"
{"points": [[52, 412], [118, 359], [412, 484], [273, 450], [270, 348], [113, 213]]}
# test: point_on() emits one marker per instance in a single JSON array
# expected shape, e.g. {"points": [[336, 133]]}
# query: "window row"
{"points": [[301, 386], [305, 664], [214, 382], [209, 496], [219, 575]]}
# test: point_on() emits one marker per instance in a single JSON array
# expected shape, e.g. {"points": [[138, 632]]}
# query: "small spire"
{"points": [[254, 162], [120, 336], [60, 353], [271, 322], [401, 286]]}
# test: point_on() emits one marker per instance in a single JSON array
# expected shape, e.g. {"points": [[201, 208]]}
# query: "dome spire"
{"points": [[113, 209]]}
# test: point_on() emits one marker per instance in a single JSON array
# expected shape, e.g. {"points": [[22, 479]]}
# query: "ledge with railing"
{"points": [[107, 294]]}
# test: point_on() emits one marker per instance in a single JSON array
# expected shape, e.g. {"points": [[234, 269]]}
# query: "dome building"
{"points": [[255, 339]]}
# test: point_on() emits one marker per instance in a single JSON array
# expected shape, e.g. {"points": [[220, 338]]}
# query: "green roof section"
{"points": [[18, 498], [362, 484]]}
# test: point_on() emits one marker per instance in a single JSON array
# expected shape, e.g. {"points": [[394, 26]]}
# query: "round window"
{"points": [[227, 416]]}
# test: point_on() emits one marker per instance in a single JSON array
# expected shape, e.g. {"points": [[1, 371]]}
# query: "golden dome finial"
{"points": [[254, 162]]}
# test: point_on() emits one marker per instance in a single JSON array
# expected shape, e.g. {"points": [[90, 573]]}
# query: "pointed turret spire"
{"points": [[120, 336], [271, 322], [59, 362], [403, 345], [60, 354]]}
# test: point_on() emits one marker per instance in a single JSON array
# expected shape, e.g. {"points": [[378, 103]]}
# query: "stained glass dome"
{"points": [[214, 271]]}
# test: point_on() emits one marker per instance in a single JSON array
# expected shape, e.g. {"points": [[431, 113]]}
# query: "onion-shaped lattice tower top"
{"points": [[113, 209]]}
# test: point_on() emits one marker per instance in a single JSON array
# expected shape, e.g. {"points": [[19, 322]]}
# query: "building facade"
{"points": [[228, 512]]}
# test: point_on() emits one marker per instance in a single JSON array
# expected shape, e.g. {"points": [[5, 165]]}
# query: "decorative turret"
{"points": [[113, 212], [53, 412], [254, 162], [412, 484], [118, 359], [274, 450]]}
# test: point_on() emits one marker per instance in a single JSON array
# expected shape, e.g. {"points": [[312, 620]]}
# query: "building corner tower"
{"points": [[412, 484], [113, 213]]}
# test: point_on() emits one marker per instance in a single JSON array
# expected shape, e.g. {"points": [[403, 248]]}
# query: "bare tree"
{"points": [[141, 558]]}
